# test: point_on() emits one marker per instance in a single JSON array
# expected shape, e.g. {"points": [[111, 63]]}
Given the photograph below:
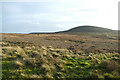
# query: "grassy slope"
{"points": [[61, 57]]}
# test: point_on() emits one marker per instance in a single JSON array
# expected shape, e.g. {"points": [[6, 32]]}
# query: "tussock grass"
{"points": [[34, 62]]}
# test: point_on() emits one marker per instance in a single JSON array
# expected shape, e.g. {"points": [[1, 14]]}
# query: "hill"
{"points": [[82, 29], [60, 56], [79, 53], [88, 29], [70, 54]]}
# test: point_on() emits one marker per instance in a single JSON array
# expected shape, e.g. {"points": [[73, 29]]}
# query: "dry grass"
{"points": [[81, 42], [59, 56]]}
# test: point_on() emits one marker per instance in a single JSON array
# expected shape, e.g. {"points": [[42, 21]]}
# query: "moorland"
{"points": [[81, 52]]}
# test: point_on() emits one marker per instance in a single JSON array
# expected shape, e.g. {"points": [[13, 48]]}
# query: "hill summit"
{"points": [[88, 29]]}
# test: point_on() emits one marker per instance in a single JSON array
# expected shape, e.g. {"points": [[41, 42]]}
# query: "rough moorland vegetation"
{"points": [[59, 56]]}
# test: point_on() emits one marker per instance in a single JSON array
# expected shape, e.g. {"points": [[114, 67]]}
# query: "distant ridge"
{"points": [[88, 29], [83, 29]]}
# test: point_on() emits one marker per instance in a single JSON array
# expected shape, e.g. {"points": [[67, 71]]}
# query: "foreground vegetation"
{"points": [[22, 59], [33, 62]]}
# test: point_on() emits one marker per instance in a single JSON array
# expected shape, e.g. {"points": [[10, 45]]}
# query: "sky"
{"points": [[57, 15]]}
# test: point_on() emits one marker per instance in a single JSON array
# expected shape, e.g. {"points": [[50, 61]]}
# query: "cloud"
{"points": [[53, 15], [35, 23], [27, 0]]}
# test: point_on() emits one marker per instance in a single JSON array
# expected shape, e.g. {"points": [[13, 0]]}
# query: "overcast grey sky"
{"points": [[53, 15]]}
